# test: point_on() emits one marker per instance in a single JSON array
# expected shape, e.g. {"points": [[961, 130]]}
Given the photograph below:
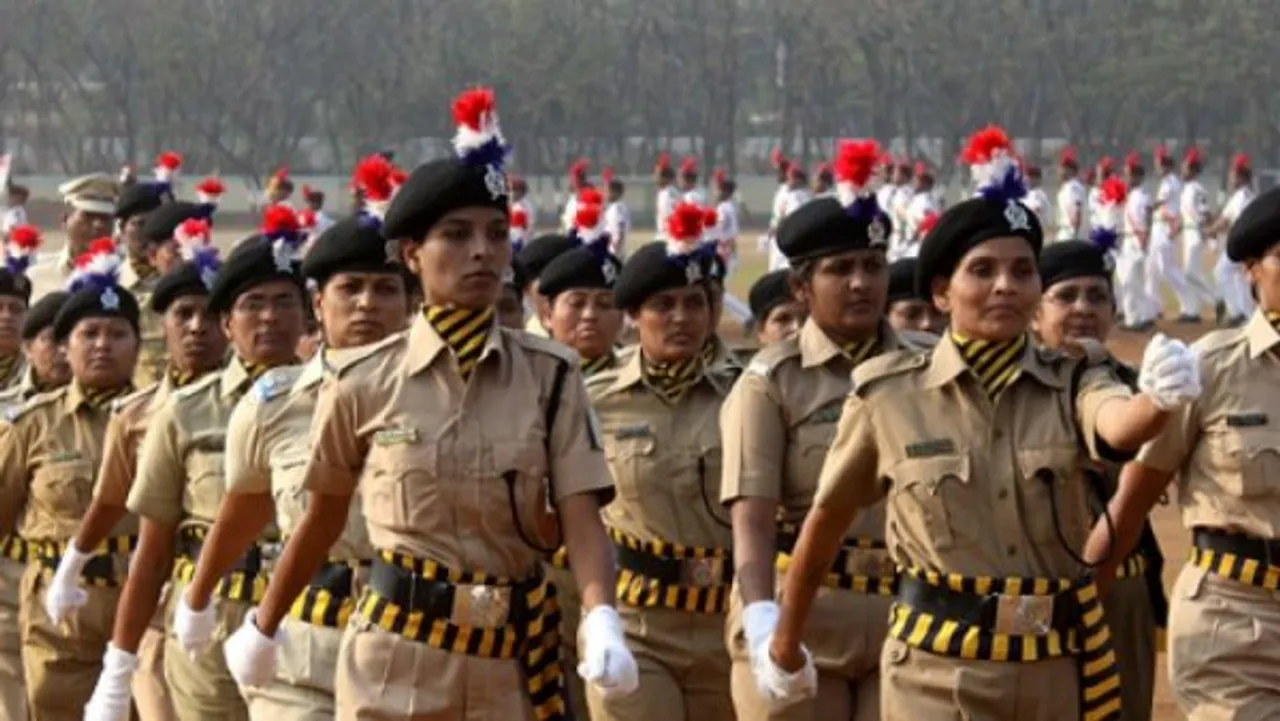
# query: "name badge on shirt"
{"points": [[65, 456], [829, 413], [1246, 420], [395, 436], [636, 430], [928, 449]]}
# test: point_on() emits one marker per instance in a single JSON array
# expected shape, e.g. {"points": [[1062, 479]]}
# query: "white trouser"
{"points": [[1193, 257], [1234, 287], [777, 260], [1162, 266], [1131, 283]]}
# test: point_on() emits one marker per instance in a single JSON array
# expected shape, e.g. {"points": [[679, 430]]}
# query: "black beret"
{"points": [[966, 225], [1257, 228], [589, 266], [184, 279], [823, 227], [438, 188], [516, 277], [1073, 259], [136, 198], [15, 284], [902, 280], [652, 270], [769, 291], [95, 302], [165, 219], [353, 244], [537, 253], [255, 261], [41, 314]]}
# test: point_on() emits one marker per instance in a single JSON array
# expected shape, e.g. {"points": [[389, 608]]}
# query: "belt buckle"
{"points": [[703, 572], [479, 606], [868, 562], [1024, 615]]}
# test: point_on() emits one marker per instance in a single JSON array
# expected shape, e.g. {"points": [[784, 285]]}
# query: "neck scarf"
{"points": [[995, 364], [464, 331]]}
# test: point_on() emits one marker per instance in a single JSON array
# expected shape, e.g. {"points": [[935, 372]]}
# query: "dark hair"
{"points": [[616, 186]]}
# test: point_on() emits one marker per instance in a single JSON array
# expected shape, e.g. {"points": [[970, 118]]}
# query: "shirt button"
{"points": [[998, 434], [1002, 494], [1013, 550]]}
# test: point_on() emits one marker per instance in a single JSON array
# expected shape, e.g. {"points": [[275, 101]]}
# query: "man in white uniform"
{"points": [[922, 204], [1139, 310], [1237, 296], [16, 213], [1194, 205], [824, 182], [797, 195], [689, 190], [726, 229], [1162, 259], [520, 199], [887, 189], [668, 197], [904, 188], [617, 216], [1072, 196], [90, 202], [577, 181], [1036, 200], [1104, 170]]}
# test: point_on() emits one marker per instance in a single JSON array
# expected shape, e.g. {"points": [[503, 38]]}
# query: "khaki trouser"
{"points": [[13, 691], [386, 677], [305, 668], [684, 669], [845, 634], [62, 663], [921, 686], [1133, 630], [150, 692], [202, 688], [570, 616], [1224, 648]]}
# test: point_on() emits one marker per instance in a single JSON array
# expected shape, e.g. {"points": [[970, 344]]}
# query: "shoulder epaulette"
{"points": [[887, 365], [597, 382], [134, 398], [767, 360], [356, 356], [39, 400], [198, 385], [1220, 340], [275, 382], [542, 345]]}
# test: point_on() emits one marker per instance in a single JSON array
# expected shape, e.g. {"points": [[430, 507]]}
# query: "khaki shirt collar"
{"points": [[315, 369], [425, 344], [631, 372], [1261, 334], [817, 348], [946, 363], [234, 380]]}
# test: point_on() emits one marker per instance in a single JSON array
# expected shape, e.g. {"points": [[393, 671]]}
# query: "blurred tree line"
{"points": [[245, 86]]}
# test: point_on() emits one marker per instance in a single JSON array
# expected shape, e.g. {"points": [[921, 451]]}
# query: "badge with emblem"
{"points": [[392, 249], [281, 255], [508, 276], [609, 272], [207, 275], [1016, 216], [495, 181], [692, 271], [876, 232], [110, 299]]}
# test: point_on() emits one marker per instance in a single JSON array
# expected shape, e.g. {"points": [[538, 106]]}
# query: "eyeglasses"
{"points": [[1096, 297], [258, 306]]}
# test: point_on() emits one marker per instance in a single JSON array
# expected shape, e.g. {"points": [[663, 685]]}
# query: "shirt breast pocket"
{"points": [[1056, 494], [287, 476], [206, 471], [1247, 460], [399, 480], [805, 458], [932, 498], [525, 490], [633, 460], [64, 487]]}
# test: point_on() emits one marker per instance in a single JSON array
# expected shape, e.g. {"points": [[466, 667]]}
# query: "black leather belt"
{"points": [[251, 563], [976, 610], [435, 598], [666, 571], [1259, 549]]}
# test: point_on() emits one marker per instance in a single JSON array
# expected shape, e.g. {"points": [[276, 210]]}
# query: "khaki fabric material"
{"points": [[1133, 628], [151, 695], [570, 618], [305, 673], [153, 354], [202, 688], [13, 690]]}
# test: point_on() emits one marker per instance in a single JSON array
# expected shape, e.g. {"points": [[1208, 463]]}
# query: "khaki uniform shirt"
{"points": [[269, 442], [780, 420], [180, 464], [14, 396], [50, 275], [665, 459], [429, 453], [17, 374], [49, 457], [130, 417], [971, 485], [1225, 446], [153, 356]]}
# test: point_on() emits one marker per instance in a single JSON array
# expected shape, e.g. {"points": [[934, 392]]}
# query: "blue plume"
{"points": [[1008, 187], [17, 264], [368, 220], [1105, 239], [491, 153]]}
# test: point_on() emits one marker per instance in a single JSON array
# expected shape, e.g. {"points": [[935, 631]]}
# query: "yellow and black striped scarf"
{"points": [[592, 366], [255, 370], [100, 398], [39, 385], [994, 364], [464, 330], [861, 350], [143, 269], [179, 378], [672, 380]]}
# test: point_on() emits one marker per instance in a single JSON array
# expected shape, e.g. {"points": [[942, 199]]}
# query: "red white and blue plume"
{"points": [[209, 191], [1110, 212], [519, 229], [167, 165], [855, 163], [478, 141], [280, 224], [97, 268], [1241, 162], [990, 157], [195, 243], [378, 180], [20, 251], [685, 226], [710, 226], [588, 218]]}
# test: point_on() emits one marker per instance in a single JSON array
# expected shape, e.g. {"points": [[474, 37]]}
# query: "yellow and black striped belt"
{"points": [[560, 559], [862, 565], [657, 574], [15, 548], [471, 613], [247, 579], [329, 599], [1134, 566], [105, 566], [1235, 556], [1020, 620]]}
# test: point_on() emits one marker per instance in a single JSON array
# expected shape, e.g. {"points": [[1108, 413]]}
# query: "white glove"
{"points": [[64, 594], [781, 688], [1170, 373], [759, 618], [194, 629], [607, 663], [251, 655], [112, 694]]}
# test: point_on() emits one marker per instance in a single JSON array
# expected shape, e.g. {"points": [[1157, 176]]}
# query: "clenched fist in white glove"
{"points": [[112, 694], [607, 663], [194, 629], [1170, 373], [784, 688], [251, 655], [759, 618], [64, 594]]}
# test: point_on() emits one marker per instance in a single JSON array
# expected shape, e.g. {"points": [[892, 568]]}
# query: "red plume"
{"points": [[1240, 162], [719, 176], [101, 246], [211, 186], [922, 170], [1105, 164], [606, 176], [1133, 160], [519, 218], [281, 174], [685, 223], [375, 176], [169, 160], [590, 196], [856, 161], [278, 218], [1192, 155], [984, 144], [1162, 153], [777, 159], [26, 237], [928, 222], [710, 217], [586, 216], [1067, 158], [689, 165], [664, 161], [470, 107], [1113, 191]]}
